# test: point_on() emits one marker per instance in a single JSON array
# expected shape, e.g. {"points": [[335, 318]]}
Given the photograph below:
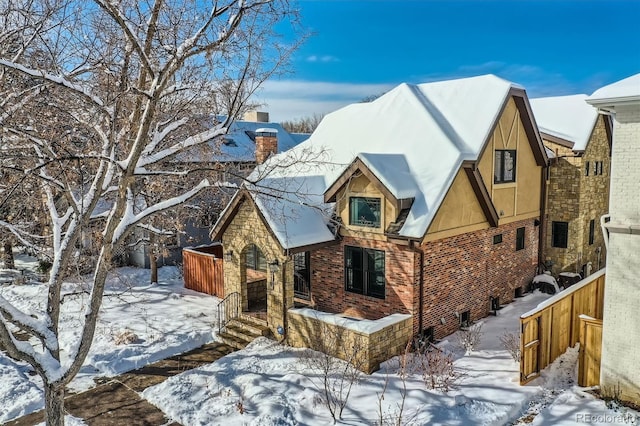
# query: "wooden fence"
{"points": [[203, 269], [554, 325], [590, 351]]}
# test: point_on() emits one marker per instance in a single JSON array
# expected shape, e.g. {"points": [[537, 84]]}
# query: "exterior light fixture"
{"points": [[228, 256], [274, 267]]}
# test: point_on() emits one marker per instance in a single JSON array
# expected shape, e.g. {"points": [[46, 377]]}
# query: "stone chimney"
{"points": [[266, 143], [256, 116]]}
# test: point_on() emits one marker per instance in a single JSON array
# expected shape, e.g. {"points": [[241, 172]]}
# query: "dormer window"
{"points": [[505, 166], [364, 211]]}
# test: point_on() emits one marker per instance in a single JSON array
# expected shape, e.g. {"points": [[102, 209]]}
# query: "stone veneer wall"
{"points": [[340, 340], [461, 273], [577, 199], [245, 229]]}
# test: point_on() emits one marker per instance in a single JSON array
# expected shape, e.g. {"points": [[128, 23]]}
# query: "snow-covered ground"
{"points": [[167, 319], [271, 384]]}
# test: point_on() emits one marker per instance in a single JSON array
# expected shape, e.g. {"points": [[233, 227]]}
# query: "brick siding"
{"points": [[460, 273]]}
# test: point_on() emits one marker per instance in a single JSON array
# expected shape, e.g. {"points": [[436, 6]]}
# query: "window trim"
{"points": [[374, 200], [501, 153], [367, 275], [559, 226], [520, 239]]}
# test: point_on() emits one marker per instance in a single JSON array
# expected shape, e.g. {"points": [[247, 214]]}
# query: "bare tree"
{"points": [[303, 125], [335, 377], [97, 110]]}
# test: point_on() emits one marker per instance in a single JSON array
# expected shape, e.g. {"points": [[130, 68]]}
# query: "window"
{"points": [[465, 319], [599, 165], [364, 271], [497, 239], [586, 169], [559, 234], [505, 166], [519, 239], [592, 231], [302, 275], [255, 259], [364, 211]]}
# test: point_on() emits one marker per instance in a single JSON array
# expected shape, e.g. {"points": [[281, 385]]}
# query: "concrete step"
{"points": [[256, 327], [241, 332], [233, 341]]}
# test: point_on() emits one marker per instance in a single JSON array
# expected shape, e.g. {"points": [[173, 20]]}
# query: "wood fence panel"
{"points": [[590, 351], [560, 328], [557, 325], [530, 348], [203, 271]]}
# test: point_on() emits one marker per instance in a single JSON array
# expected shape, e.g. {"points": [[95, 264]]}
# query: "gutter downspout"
{"points": [[543, 215], [420, 253]]}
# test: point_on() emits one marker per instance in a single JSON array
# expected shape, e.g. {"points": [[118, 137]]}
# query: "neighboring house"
{"points": [[578, 182], [619, 371], [247, 143], [425, 201]]}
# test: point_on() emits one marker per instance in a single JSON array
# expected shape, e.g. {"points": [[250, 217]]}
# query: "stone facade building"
{"points": [[401, 206], [577, 182]]}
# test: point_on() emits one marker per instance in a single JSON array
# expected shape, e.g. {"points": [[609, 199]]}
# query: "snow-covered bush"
{"points": [[125, 337], [511, 342], [469, 338]]}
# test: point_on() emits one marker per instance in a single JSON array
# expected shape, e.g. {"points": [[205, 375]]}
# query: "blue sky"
{"points": [[359, 48]]}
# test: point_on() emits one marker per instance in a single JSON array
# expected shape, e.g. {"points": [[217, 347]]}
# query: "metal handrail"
{"points": [[228, 309]]}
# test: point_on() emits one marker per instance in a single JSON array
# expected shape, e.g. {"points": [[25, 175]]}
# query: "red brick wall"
{"points": [[265, 146], [461, 273], [327, 281]]}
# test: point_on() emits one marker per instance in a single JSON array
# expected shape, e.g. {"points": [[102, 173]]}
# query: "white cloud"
{"points": [[290, 99], [322, 58]]}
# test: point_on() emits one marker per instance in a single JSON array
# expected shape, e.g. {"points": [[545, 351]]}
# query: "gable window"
{"points": [[592, 231], [364, 211], [586, 168], [505, 166], [559, 234], [364, 271], [519, 239], [497, 239]]}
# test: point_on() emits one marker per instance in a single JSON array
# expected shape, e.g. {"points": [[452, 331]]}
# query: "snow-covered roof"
{"points": [[620, 92], [566, 117], [414, 138], [240, 140]]}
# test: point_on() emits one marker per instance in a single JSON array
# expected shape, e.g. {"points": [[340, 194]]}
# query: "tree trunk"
{"points": [[153, 259], [54, 405], [8, 255]]}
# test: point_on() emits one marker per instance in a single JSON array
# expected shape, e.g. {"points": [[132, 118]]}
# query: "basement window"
{"points": [[497, 239], [465, 319]]}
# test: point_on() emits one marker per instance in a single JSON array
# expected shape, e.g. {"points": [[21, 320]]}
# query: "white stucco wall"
{"points": [[620, 365]]}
